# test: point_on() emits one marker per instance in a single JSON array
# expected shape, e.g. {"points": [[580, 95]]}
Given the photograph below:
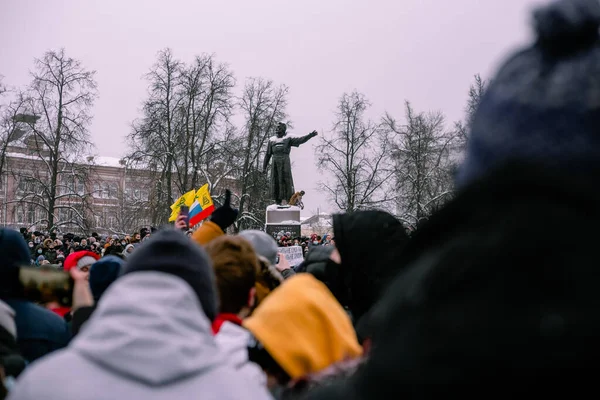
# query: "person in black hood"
{"points": [[39, 331], [368, 244]]}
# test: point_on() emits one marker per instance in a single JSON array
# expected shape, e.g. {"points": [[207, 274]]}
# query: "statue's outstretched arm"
{"points": [[297, 141]]}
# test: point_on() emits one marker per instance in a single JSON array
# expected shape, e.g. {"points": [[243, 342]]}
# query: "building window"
{"points": [[97, 193], [113, 191]]}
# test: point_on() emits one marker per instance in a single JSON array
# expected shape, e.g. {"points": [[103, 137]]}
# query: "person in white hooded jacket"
{"points": [[149, 338], [236, 266]]}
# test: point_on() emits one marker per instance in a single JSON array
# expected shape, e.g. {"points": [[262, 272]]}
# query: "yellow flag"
{"points": [[203, 197], [185, 200], [203, 206]]}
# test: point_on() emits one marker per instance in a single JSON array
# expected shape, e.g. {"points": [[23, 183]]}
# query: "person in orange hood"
{"points": [[300, 333]]}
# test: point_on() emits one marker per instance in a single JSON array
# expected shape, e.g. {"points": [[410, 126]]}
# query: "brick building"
{"points": [[94, 193]]}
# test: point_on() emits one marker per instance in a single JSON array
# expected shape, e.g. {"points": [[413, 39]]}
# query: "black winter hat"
{"points": [[543, 106], [103, 273], [13, 254], [171, 252]]}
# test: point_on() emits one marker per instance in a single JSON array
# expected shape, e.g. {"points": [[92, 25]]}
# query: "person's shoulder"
{"points": [[232, 336], [32, 383], [228, 382], [33, 311], [34, 320]]}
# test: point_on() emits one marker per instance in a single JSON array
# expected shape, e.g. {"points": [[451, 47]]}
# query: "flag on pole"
{"points": [[202, 207], [185, 200]]}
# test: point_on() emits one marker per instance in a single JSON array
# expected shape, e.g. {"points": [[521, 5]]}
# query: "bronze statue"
{"points": [[279, 147]]}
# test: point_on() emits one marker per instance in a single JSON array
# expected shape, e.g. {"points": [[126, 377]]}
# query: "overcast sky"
{"points": [[425, 51]]}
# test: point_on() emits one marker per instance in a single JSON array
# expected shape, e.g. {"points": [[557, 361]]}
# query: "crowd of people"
{"points": [[494, 293], [287, 239], [53, 248]]}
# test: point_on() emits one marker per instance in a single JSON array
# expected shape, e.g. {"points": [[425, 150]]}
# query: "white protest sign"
{"points": [[293, 254]]}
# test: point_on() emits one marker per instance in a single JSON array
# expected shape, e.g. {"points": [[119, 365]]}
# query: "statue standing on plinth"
{"points": [[278, 149]]}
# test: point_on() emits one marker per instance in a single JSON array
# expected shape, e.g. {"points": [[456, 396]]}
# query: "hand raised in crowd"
{"points": [[225, 215], [78, 275], [181, 222], [283, 263]]}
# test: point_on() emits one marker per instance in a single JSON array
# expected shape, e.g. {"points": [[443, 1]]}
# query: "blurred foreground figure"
{"points": [[500, 289]]}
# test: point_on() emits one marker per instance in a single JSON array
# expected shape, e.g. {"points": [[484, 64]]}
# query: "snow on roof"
{"points": [[101, 161], [23, 156], [114, 162]]}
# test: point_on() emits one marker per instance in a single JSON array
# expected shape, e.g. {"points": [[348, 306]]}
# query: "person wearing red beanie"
{"points": [[83, 260]]}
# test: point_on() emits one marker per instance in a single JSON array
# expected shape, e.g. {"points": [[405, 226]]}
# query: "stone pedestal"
{"points": [[283, 218]]}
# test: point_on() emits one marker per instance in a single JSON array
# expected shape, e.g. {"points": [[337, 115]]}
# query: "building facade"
{"points": [[92, 194]]}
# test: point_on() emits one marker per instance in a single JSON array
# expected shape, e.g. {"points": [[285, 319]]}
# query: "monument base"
{"points": [[283, 219], [275, 229]]}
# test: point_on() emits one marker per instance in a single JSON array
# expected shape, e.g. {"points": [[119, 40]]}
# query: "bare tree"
{"points": [[221, 167], [356, 155], [207, 104], [155, 137], [62, 94], [263, 105], [423, 172], [187, 109], [476, 92], [12, 126], [72, 204]]}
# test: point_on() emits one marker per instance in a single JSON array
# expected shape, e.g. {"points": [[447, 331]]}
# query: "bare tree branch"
{"points": [[62, 93], [357, 157]]}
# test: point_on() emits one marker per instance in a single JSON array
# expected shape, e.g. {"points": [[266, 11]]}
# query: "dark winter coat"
{"points": [[500, 291], [39, 331], [369, 243]]}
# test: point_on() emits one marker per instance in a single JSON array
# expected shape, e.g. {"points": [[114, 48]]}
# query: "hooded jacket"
{"points": [[369, 243], [233, 341], [148, 339], [303, 327]]}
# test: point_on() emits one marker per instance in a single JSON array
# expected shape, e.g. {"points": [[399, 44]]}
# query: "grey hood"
{"points": [[150, 327], [233, 343]]}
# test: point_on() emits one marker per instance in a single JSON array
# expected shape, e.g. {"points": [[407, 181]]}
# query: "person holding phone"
{"points": [[184, 214]]}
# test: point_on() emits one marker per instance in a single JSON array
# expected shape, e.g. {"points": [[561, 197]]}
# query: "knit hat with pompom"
{"points": [[543, 106]]}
